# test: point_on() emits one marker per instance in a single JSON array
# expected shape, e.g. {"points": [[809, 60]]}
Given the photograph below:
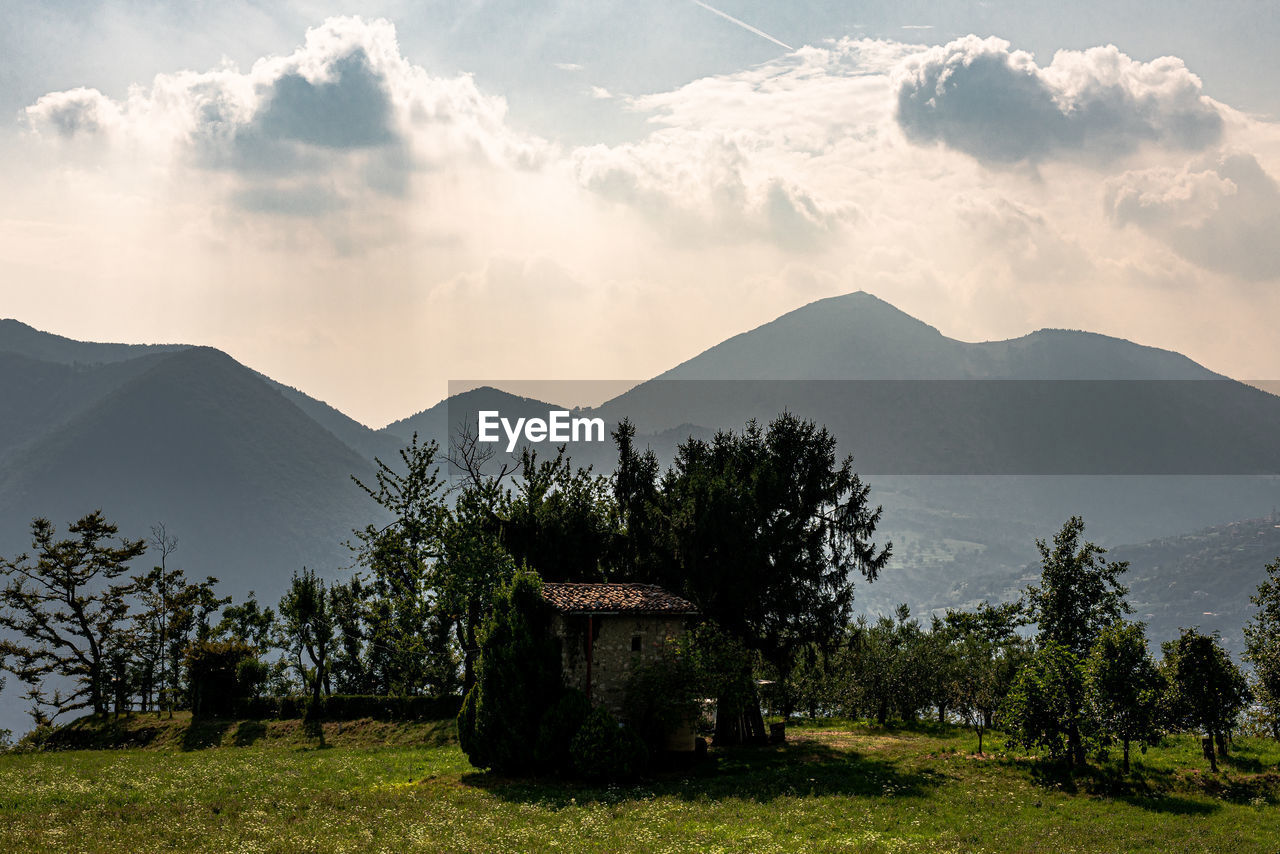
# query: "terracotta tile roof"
{"points": [[614, 598]]}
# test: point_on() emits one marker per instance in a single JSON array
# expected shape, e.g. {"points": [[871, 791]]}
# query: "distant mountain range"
{"points": [[975, 449]]}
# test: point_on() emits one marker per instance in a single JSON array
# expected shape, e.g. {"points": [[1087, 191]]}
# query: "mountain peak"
{"points": [[852, 336], [859, 336]]}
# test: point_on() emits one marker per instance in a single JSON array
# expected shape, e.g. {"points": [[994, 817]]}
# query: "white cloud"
{"points": [[1222, 213], [980, 97], [343, 118], [75, 112]]}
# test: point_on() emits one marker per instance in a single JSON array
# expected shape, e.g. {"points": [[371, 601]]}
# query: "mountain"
{"points": [[913, 401], [252, 486], [861, 337], [439, 420], [370, 443], [88, 374], [1203, 578], [18, 337]]}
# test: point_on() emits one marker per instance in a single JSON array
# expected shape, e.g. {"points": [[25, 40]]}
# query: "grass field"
{"points": [[268, 786]]}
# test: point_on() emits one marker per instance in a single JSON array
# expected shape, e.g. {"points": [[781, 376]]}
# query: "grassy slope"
{"points": [[835, 788]]}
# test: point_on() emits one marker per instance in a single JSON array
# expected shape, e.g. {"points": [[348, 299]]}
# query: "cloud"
{"points": [[1222, 213], [707, 188], [980, 97], [343, 118], [75, 112], [567, 66], [752, 155]]}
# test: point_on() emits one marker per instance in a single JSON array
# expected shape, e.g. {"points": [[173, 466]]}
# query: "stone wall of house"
{"points": [[614, 654]]}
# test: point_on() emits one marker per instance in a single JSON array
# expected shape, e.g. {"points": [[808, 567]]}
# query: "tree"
{"points": [[475, 565], [559, 521], [353, 672], [405, 631], [518, 680], [1124, 686], [977, 683], [248, 622], [990, 654], [766, 533], [641, 552], [1206, 689], [888, 660], [1078, 596], [191, 609], [306, 625], [67, 610], [1262, 645], [1044, 708], [153, 623]]}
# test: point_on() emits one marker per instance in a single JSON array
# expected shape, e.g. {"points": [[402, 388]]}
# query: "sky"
{"points": [[368, 204]]}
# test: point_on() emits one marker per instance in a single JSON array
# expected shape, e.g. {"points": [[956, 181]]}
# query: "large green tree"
{"points": [[766, 531], [68, 610], [1206, 689], [1044, 709], [1079, 595], [1124, 686]]}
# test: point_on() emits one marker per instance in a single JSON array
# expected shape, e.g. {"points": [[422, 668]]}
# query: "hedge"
{"points": [[348, 707]]}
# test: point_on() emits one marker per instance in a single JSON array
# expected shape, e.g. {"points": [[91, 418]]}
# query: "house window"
{"points": [[635, 643]]}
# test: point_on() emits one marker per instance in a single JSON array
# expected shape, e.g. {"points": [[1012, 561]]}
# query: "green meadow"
{"points": [[257, 786]]}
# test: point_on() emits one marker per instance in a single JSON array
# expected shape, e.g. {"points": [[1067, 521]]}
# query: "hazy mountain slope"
{"points": [[1203, 578], [90, 358], [436, 421], [370, 443], [18, 337], [253, 487], [40, 396], [907, 400], [859, 336]]}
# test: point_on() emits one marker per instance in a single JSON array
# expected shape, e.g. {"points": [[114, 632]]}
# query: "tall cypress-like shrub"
{"points": [[518, 680]]}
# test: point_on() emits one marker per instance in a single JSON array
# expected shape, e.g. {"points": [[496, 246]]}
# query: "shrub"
{"points": [[558, 727], [40, 737], [604, 750], [214, 670], [665, 695], [517, 680], [349, 707]]}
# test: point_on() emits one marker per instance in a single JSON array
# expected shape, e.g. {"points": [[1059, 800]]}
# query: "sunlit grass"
{"points": [[836, 786]]}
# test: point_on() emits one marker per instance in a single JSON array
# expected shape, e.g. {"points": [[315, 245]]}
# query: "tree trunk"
{"points": [[1075, 747], [882, 714], [1222, 745], [979, 741], [1206, 744], [467, 640], [744, 725], [1126, 756]]}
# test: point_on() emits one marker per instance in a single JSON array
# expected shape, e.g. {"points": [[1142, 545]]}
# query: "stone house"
{"points": [[607, 630]]}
